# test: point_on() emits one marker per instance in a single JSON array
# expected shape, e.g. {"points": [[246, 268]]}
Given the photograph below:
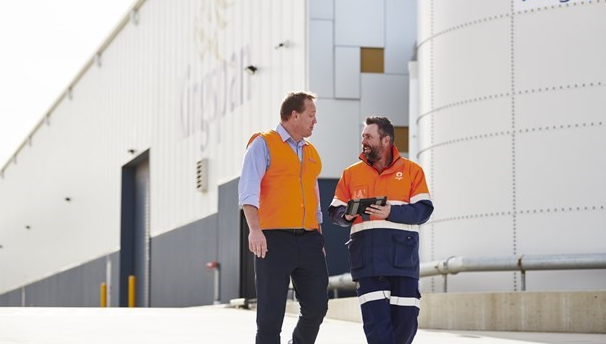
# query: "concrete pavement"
{"points": [[212, 324]]}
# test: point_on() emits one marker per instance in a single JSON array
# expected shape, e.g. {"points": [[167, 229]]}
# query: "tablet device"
{"points": [[359, 205]]}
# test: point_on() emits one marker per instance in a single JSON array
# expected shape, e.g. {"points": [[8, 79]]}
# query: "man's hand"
{"points": [[257, 243], [256, 239], [349, 217], [379, 211]]}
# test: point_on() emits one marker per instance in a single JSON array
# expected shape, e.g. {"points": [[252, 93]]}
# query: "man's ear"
{"points": [[294, 114]]}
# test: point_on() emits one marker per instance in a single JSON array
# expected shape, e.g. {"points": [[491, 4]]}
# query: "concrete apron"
{"points": [[555, 312]]}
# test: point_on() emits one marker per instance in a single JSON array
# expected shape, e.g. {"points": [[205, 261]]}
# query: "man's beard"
{"points": [[371, 156]]}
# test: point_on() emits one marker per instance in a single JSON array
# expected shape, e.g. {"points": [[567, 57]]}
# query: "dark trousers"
{"points": [[390, 307], [296, 256]]}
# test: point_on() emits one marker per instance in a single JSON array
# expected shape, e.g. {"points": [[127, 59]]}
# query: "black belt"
{"points": [[297, 231]]}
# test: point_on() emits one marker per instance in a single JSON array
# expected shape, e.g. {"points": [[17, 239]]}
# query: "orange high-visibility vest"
{"points": [[288, 196]]}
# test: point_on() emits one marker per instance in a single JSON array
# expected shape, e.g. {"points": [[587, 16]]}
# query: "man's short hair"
{"points": [[384, 124], [294, 101]]}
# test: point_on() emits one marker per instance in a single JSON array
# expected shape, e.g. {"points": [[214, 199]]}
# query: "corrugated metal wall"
{"points": [[79, 286], [171, 82], [178, 272]]}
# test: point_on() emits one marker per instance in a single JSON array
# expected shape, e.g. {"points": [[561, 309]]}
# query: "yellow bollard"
{"points": [[131, 291], [103, 295]]}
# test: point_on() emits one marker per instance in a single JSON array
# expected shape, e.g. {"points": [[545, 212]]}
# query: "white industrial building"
{"points": [[134, 170]]}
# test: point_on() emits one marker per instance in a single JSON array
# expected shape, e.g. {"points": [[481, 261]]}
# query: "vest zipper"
{"points": [[302, 187]]}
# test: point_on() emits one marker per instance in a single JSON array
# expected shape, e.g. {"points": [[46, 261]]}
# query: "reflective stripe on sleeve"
{"points": [[396, 202], [337, 202], [420, 197]]}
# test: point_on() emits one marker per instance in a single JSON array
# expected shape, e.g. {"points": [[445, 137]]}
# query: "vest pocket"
{"points": [[356, 252], [406, 253]]}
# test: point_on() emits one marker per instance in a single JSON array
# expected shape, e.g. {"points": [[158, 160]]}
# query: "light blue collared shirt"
{"points": [[255, 164]]}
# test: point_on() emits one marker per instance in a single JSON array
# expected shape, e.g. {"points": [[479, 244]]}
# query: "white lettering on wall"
{"points": [[215, 94]]}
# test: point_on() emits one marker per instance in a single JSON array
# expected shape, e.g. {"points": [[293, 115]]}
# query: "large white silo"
{"points": [[512, 130]]}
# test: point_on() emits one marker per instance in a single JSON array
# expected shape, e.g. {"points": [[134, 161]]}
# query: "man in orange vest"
{"points": [[278, 191], [384, 240]]}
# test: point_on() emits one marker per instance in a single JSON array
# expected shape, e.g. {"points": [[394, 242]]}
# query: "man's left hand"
{"points": [[379, 211]]}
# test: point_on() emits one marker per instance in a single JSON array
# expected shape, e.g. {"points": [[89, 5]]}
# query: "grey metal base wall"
{"points": [[11, 299], [76, 287], [178, 273], [179, 276], [335, 236], [178, 267]]}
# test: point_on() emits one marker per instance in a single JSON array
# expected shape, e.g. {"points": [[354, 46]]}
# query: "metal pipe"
{"points": [[215, 267], [454, 265], [343, 281], [522, 263], [108, 279], [563, 261], [217, 291]]}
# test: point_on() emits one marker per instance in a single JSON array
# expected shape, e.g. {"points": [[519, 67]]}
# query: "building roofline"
{"points": [[130, 14]]}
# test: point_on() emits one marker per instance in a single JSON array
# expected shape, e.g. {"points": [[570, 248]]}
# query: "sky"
{"points": [[43, 46]]}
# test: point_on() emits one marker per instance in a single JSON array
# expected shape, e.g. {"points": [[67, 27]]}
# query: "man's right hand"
{"points": [[257, 243], [256, 239]]}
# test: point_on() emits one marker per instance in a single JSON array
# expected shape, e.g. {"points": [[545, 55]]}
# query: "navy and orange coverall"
{"points": [[384, 253]]}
